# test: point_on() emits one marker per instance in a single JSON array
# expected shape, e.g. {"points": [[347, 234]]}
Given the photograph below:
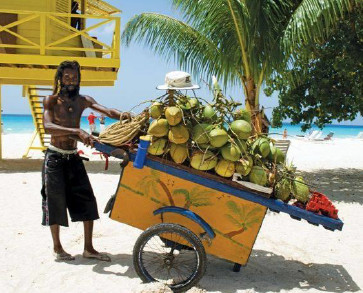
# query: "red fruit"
{"points": [[319, 203]]}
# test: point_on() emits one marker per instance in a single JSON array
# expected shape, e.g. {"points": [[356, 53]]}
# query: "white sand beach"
{"points": [[288, 256]]}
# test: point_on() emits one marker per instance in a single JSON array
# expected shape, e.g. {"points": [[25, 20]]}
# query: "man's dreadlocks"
{"points": [[59, 74]]}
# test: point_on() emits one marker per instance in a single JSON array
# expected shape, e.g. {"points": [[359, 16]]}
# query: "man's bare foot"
{"points": [[61, 255], [92, 253]]}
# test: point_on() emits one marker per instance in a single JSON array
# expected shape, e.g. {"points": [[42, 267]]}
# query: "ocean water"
{"points": [[24, 124]]}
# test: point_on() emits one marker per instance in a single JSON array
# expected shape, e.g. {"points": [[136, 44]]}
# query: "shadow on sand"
{"points": [[345, 185], [265, 272]]}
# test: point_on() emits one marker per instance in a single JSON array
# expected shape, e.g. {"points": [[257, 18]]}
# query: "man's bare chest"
{"points": [[68, 112]]}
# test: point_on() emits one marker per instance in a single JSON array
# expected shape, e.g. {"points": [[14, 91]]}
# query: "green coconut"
{"points": [[184, 105], [218, 137], [157, 147], [242, 114], [203, 160], [300, 190], [276, 155], [283, 189], [225, 168], [231, 152], [156, 110], [244, 166], [200, 133], [179, 153], [258, 176], [174, 115], [159, 128], [264, 147], [208, 112], [242, 129], [178, 134], [261, 146], [193, 102]]}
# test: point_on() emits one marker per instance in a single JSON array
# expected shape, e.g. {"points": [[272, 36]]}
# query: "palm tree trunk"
{"points": [[168, 194], [252, 105], [234, 233], [187, 205]]}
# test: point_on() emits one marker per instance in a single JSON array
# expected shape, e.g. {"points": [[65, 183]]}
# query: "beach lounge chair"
{"points": [[328, 137], [316, 134], [283, 145], [310, 135]]}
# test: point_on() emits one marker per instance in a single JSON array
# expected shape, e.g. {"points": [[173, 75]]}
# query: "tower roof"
{"points": [[99, 7]]}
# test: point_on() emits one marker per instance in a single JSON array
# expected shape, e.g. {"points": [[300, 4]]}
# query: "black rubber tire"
{"points": [[156, 230]]}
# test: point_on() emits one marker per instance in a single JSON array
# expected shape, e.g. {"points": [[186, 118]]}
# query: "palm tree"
{"points": [[196, 197], [241, 42], [149, 184], [242, 218]]}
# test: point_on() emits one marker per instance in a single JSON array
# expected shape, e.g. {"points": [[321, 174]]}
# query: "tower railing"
{"points": [[110, 50]]}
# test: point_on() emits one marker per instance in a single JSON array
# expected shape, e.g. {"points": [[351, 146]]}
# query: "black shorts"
{"points": [[66, 185]]}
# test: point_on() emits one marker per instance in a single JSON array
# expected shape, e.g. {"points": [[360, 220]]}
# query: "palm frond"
{"points": [[183, 192], [312, 20], [155, 190], [234, 221], [175, 40], [252, 222], [233, 207], [253, 212]]}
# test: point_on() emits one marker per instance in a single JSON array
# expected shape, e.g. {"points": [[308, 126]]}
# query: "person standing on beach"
{"points": [[284, 135], [91, 121], [65, 183], [102, 122]]}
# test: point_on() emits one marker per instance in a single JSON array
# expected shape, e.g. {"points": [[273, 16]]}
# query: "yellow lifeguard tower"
{"points": [[37, 35]]}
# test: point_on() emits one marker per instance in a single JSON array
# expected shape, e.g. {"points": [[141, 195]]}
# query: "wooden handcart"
{"points": [[186, 214]]}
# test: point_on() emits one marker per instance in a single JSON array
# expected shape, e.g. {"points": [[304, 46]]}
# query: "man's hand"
{"points": [[86, 138], [125, 116]]}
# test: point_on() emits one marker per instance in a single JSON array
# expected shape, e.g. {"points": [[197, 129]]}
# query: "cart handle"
{"points": [[190, 215]]}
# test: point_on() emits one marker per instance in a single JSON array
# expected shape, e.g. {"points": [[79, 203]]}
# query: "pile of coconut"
{"points": [[218, 138]]}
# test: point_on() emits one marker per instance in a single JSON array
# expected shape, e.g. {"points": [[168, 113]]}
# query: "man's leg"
{"points": [[89, 251], [57, 245], [88, 233], [54, 201]]}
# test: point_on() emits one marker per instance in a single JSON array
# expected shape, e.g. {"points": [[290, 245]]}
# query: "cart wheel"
{"points": [[180, 269]]}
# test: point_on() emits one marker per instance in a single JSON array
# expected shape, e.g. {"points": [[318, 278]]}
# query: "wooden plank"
{"points": [[266, 190]]}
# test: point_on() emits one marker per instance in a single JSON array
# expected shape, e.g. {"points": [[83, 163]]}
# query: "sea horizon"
{"points": [[23, 123]]}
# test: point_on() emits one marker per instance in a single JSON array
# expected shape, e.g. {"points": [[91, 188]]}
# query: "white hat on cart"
{"points": [[178, 80]]}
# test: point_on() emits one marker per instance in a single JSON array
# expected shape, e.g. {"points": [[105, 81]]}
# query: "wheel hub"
{"points": [[168, 261]]}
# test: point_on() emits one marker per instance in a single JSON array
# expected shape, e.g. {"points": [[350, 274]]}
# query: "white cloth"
{"points": [[63, 152]]}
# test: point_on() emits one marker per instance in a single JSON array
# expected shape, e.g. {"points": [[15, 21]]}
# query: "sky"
{"points": [[141, 71]]}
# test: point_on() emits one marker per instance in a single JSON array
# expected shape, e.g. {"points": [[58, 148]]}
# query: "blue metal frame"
{"points": [[190, 215], [272, 204]]}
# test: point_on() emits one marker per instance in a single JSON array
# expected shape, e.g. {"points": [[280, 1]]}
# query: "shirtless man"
{"points": [[64, 178]]}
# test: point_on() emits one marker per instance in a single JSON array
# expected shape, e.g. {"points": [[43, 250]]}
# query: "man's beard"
{"points": [[65, 90]]}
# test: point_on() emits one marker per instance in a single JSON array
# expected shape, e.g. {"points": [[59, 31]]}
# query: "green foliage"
{"points": [[324, 80], [239, 42]]}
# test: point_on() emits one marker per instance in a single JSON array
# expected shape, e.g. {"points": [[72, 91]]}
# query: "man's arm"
{"points": [[57, 130], [112, 113]]}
